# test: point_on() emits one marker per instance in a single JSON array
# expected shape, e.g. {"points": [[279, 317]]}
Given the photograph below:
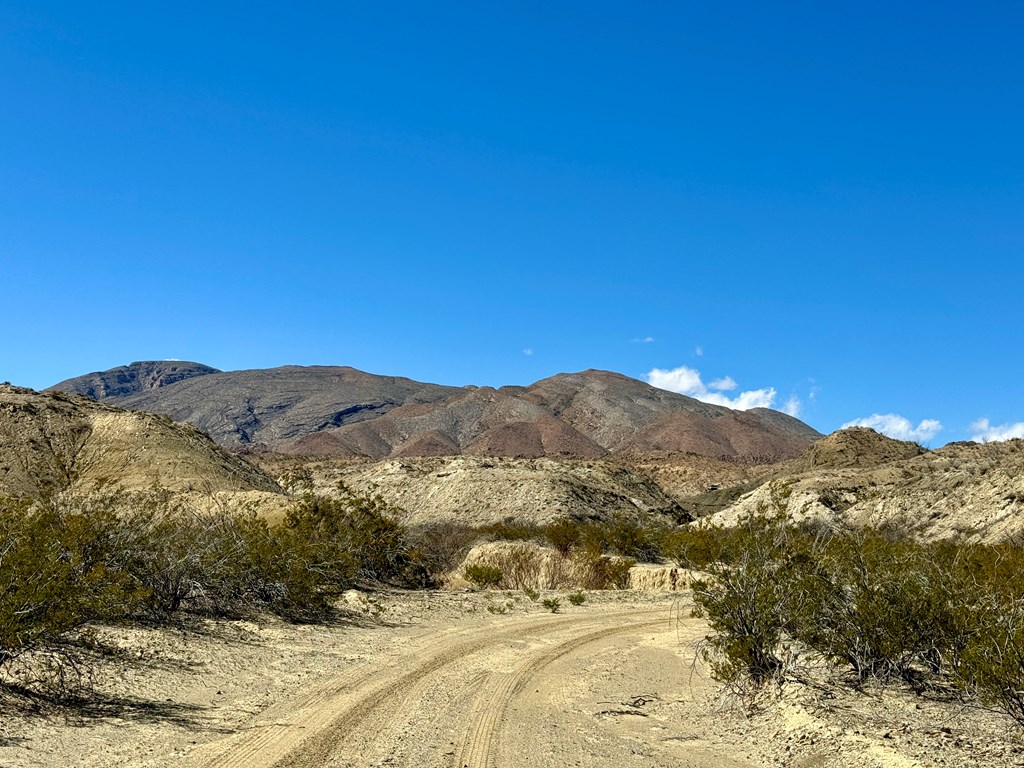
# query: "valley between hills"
{"points": [[465, 673]]}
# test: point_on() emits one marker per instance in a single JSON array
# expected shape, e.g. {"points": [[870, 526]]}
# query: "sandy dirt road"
{"points": [[541, 690], [472, 680]]}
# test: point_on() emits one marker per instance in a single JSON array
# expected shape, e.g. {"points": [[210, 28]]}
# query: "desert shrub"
{"points": [[440, 548], [750, 603], [483, 575], [185, 559], [531, 593], [875, 600], [512, 531], [54, 576], [700, 544], [564, 535], [577, 598], [623, 536], [631, 538], [521, 566], [880, 604], [347, 539], [990, 666], [551, 603], [600, 572]]}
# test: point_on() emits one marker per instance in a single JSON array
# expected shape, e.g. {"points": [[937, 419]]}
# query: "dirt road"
{"points": [[471, 680], [541, 690]]}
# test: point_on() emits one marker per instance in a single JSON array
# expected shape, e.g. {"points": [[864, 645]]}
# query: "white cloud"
{"points": [[724, 383], [898, 427], [994, 433], [528, 352], [792, 406], [644, 340], [699, 351], [687, 381]]}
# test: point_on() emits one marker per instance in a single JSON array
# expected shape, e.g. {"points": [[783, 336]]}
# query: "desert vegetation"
{"points": [[141, 558], [146, 558], [874, 604]]}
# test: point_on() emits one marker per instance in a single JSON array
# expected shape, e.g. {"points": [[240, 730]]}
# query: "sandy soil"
{"points": [[446, 679]]}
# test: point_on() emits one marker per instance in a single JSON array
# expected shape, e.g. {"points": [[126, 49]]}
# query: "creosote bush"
{"points": [[65, 564], [54, 575], [877, 602], [483, 575]]}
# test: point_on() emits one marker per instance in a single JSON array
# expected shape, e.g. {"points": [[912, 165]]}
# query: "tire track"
{"points": [[304, 732], [478, 749]]}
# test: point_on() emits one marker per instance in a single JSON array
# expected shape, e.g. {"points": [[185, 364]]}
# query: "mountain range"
{"points": [[341, 411]]}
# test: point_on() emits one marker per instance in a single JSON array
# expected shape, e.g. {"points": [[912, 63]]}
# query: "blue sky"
{"points": [[820, 205]]}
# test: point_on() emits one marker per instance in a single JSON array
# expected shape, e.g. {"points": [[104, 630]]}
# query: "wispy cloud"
{"points": [[687, 381], [898, 427], [644, 340], [528, 352], [994, 433], [792, 406], [699, 352]]}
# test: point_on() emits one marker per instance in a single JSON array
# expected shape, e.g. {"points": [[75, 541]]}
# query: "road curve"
{"points": [[360, 717]]}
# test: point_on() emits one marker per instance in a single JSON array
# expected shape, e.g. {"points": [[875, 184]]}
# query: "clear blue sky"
{"points": [[824, 199]]}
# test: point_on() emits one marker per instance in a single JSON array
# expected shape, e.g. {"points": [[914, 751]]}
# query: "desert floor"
{"points": [[478, 680]]}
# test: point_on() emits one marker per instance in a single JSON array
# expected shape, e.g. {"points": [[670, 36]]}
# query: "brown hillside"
{"points": [[344, 412]]}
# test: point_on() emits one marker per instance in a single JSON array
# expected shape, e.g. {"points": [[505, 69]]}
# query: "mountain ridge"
{"points": [[342, 411]]}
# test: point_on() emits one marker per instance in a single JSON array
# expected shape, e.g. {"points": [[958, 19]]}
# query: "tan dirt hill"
{"points": [[52, 443], [857, 477], [475, 490]]}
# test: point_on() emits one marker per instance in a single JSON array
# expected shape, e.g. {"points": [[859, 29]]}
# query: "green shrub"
{"points": [[348, 539], [483, 575], [54, 576], [564, 535], [875, 600], [749, 604], [880, 604], [512, 531], [991, 664], [551, 603], [577, 598], [607, 572]]}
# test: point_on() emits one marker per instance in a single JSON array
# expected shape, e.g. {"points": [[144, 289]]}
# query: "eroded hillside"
{"points": [[52, 443], [859, 477]]}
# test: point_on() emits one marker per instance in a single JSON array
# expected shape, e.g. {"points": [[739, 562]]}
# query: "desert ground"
{"points": [[474, 680]]}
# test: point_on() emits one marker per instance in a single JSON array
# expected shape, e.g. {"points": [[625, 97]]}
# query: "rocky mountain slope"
{"points": [[859, 477], [126, 380], [53, 443], [344, 412]]}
